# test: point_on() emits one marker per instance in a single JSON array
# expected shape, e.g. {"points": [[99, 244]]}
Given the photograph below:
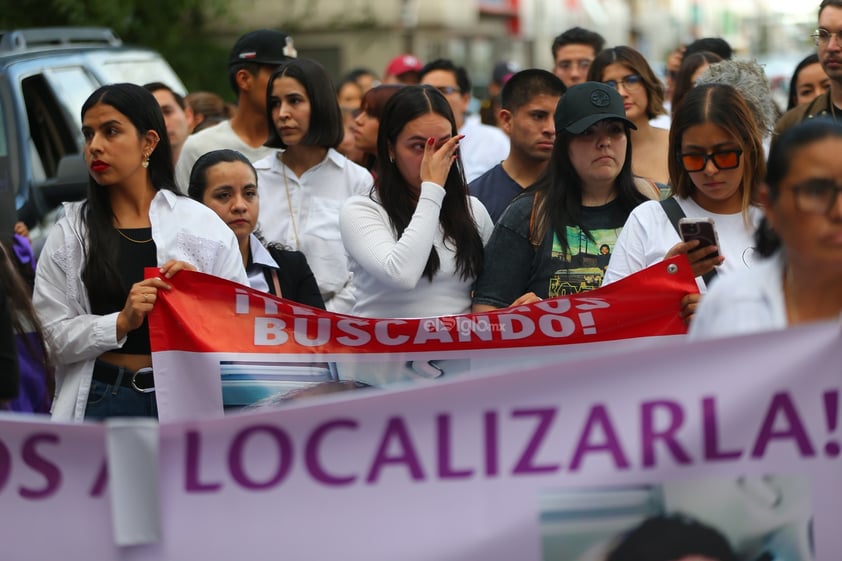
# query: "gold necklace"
{"points": [[119, 231], [289, 202]]}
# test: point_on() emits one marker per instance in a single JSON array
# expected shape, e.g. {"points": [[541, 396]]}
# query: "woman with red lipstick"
{"points": [[225, 182], [716, 164], [626, 70], [305, 182], [90, 291], [549, 240]]}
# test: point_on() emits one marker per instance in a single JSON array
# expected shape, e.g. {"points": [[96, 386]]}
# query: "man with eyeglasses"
{"points": [[828, 37], [573, 52], [484, 146]]}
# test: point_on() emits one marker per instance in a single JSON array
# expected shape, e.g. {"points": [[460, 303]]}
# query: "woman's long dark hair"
{"points": [[397, 196], [22, 314], [100, 275], [558, 192]]}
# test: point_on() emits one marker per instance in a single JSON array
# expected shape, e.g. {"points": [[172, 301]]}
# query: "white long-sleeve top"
{"points": [[388, 270], [302, 213], [182, 229]]}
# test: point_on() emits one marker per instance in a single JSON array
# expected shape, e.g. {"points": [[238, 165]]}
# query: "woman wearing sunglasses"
{"points": [[627, 71], [716, 162], [801, 236]]}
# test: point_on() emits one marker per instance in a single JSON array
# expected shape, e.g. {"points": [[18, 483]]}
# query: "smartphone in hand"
{"points": [[702, 229]]}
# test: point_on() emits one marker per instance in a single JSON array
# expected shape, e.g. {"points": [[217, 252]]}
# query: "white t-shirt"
{"points": [[388, 272], [482, 148], [302, 213], [213, 138], [649, 234]]}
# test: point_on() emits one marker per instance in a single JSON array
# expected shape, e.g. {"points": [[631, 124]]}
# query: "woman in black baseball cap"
{"points": [[547, 242]]}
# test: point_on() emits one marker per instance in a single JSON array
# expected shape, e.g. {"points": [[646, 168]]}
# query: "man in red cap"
{"points": [[403, 69]]}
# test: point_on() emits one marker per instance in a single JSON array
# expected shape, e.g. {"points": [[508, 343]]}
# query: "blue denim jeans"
{"points": [[107, 400]]}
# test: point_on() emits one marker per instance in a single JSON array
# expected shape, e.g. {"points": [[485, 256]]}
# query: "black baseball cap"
{"points": [[264, 46], [587, 103]]}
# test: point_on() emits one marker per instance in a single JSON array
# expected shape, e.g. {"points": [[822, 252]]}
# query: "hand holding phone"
{"points": [[702, 229]]}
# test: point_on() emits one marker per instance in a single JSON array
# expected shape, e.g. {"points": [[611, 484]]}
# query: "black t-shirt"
{"points": [[135, 254], [514, 267]]}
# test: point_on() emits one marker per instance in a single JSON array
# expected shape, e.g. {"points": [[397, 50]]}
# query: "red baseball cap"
{"points": [[403, 63]]}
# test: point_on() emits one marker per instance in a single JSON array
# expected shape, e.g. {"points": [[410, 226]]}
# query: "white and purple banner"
{"points": [[551, 462]]}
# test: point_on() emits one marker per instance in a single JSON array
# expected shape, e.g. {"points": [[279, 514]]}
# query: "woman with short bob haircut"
{"points": [[304, 183], [325, 125], [626, 70], [90, 291], [416, 242]]}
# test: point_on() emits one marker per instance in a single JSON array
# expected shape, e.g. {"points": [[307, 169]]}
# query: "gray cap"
{"points": [[585, 104]]}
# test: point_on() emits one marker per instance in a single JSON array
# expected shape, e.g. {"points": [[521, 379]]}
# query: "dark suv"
{"points": [[45, 76]]}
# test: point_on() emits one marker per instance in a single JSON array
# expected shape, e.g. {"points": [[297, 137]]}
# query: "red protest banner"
{"points": [[207, 314]]}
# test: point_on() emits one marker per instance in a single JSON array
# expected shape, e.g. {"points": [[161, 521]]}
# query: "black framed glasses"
{"points": [[723, 159], [822, 36], [630, 83], [816, 196]]}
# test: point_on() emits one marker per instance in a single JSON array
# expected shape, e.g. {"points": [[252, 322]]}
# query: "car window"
{"points": [[137, 67], [72, 86], [49, 130]]}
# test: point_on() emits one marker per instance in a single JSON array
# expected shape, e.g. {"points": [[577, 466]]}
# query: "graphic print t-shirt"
{"points": [[582, 267], [514, 266]]}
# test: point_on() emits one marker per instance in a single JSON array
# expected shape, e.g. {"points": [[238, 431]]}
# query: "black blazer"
{"points": [[295, 277]]}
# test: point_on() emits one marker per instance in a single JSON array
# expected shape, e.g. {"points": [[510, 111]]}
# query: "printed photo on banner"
{"points": [[744, 518]]}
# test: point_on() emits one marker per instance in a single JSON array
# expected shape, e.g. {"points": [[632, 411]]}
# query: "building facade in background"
{"points": [[478, 33]]}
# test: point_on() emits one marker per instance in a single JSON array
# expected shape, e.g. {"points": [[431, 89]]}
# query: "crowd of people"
{"points": [[386, 197]]}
